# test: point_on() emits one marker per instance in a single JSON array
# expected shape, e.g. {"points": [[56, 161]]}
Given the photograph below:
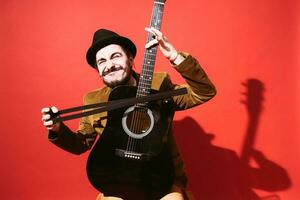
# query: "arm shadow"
{"points": [[217, 173]]}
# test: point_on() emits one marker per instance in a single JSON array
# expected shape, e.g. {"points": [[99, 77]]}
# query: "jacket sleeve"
{"points": [[199, 88], [74, 142]]}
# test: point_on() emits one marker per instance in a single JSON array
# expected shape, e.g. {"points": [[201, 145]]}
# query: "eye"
{"points": [[100, 62], [116, 55]]}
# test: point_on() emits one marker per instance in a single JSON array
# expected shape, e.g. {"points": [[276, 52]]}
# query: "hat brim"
{"points": [[122, 41]]}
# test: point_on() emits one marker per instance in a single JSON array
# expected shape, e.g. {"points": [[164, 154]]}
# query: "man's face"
{"points": [[113, 65]]}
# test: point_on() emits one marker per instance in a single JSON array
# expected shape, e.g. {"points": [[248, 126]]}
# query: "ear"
{"points": [[130, 60]]}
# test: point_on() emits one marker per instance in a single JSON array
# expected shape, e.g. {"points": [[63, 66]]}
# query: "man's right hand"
{"points": [[47, 114]]}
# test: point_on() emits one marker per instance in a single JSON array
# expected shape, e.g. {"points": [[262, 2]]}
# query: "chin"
{"points": [[116, 82]]}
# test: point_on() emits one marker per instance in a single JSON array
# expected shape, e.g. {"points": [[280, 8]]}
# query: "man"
{"points": [[112, 56]]}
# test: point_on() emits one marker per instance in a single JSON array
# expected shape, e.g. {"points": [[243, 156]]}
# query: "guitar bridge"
{"points": [[131, 155]]}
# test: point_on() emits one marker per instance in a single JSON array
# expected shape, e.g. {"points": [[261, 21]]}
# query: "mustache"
{"points": [[112, 69]]}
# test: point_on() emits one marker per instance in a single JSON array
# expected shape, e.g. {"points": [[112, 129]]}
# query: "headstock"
{"points": [[253, 96], [160, 1]]}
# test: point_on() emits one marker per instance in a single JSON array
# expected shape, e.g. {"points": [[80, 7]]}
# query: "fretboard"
{"points": [[145, 80]]}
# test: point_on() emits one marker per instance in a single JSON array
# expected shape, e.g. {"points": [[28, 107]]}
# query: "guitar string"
{"points": [[133, 121], [130, 138], [136, 121], [158, 10], [136, 127], [140, 126], [149, 73]]}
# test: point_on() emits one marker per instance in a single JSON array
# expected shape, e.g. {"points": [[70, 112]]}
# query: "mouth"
{"points": [[111, 70]]}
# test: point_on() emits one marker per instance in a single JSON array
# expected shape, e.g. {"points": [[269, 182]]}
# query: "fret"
{"points": [[146, 83], [151, 57], [145, 77], [146, 70], [142, 95], [151, 53], [150, 64], [159, 3], [145, 87], [143, 91], [148, 74]]}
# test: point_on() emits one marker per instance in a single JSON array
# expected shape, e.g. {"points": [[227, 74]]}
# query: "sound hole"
{"points": [[138, 121]]}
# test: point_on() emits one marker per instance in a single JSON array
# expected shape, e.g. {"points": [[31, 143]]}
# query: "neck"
{"points": [[131, 81]]}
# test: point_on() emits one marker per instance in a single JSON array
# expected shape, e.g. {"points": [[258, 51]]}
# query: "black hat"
{"points": [[102, 38]]}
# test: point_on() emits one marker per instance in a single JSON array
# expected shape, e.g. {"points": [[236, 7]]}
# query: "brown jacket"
{"points": [[199, 87]]}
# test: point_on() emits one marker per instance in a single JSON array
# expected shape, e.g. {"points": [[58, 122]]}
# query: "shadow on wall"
{"points": [[218, 173]]}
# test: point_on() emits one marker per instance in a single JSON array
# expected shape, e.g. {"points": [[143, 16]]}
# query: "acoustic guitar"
{"points": [[131, 159]]}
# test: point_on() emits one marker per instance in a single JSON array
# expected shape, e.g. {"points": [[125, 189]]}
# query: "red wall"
{"points": [[43, 45]]}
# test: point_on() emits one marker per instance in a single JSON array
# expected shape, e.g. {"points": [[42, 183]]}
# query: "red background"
{"points": [[43, 46]]}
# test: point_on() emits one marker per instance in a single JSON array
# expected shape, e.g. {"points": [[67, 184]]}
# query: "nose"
{"points": [[109, 64]]}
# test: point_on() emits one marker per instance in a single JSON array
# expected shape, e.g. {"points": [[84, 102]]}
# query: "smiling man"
{"points": [[112, 56], [115, 65]]}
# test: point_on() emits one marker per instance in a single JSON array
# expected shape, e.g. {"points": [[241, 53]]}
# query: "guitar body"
{"points": [[138, 167]]}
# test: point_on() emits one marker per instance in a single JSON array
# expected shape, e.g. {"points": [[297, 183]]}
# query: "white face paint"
{"points": [[113, 65]]}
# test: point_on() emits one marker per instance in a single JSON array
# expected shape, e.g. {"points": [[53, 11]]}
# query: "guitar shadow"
{"points": [[217, 173]]}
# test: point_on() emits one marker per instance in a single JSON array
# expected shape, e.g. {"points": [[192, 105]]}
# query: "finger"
{"points": [[45, 110], [148, 29], [48, 123], [161, 38], [54, 109], [46, 117], [156, 32], [151, 43]]}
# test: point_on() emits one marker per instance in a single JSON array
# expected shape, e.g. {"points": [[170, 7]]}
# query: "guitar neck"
{"points": [[145, 80]]}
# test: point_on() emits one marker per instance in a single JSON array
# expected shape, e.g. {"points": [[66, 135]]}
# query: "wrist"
{"points": [[173, 56], [178, 59], [55, 128], [54, 131]]}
